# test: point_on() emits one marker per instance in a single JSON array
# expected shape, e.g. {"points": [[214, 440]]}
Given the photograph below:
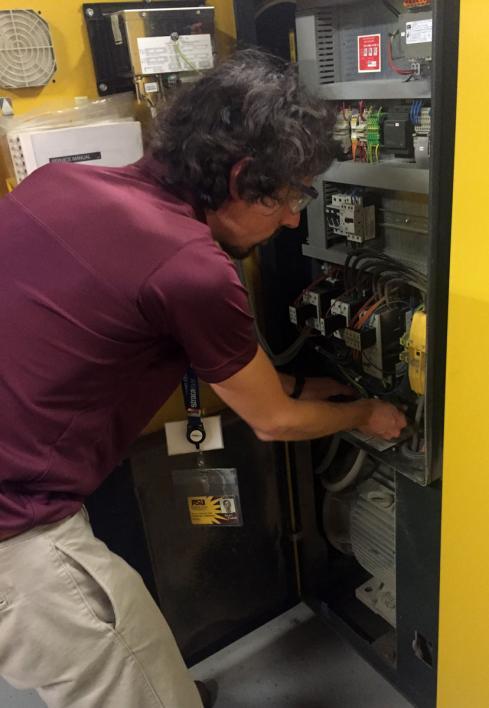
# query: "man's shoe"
{"points": [[208, 692]]}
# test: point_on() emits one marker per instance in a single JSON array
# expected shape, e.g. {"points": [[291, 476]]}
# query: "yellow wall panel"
{"points": [[75, 77], [464, 616]]}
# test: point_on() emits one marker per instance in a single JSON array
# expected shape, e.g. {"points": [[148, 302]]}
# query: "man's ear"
{"points": [[236, 170]]}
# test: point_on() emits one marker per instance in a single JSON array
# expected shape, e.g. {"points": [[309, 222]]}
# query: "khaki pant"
{"points": [[78, 625]]}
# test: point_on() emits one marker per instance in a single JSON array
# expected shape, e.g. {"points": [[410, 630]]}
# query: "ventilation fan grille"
{"points": [[26, 50]]}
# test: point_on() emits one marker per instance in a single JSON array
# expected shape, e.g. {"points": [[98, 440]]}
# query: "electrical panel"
{"points": [[150, 47], [165, 46], [368, 232], [367, 318]]}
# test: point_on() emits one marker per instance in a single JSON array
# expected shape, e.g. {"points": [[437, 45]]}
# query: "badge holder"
{"points": [[206, 496]]}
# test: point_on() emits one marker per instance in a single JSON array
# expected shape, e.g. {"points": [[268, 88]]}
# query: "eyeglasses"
{"points": [[297, 199], [299, 202]]}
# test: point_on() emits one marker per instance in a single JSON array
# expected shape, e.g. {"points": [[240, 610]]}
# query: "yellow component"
{"points": [[416, 353], [464, 637], [354, 146], [292, 47], [174, 408]]}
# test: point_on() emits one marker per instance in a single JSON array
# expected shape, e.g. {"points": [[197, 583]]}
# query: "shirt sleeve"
{"points": [[197, 298]]}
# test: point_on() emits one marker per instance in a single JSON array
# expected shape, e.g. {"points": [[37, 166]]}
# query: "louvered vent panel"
{"points": [[325, 46]]}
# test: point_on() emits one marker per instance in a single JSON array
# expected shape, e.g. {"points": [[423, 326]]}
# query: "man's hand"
{"points": [[384, 420]]}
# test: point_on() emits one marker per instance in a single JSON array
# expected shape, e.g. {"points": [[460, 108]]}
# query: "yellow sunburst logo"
{"points": [[205, 511]]}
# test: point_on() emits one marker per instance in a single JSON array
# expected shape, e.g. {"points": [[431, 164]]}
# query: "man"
{"points": [[113, 281]]}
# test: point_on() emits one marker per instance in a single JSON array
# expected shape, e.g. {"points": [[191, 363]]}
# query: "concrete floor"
{"points": [[295, 661], [292, 662]]}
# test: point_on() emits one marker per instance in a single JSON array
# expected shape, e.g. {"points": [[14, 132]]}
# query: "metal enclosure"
{"points": [[135, 25], [417, 197], [110, 54], [414, 204], [327, 35]]}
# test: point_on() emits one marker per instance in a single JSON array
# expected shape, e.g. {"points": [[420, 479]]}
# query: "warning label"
{"points": [[213, 511], [419, 31], [369, 53]]}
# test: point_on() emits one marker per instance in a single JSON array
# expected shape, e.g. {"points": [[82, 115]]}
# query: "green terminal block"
{"points": [[374, 121]]}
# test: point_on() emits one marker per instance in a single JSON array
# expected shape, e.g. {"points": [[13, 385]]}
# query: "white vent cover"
{"points": [[26, 50]]}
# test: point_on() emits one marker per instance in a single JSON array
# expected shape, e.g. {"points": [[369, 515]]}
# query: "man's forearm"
{"points": [[257, 395], [306, 420]]}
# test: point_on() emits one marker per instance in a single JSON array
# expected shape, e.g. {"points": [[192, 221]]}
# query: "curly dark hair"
{"points": [[250, 105]]}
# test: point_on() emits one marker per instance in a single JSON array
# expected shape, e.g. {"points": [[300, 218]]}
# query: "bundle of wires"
{"points": [[386, 275], [289, 354], [390, 58], [415, 112]]}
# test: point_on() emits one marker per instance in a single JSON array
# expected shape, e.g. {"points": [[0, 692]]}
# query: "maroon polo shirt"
{"points": [[110, 287]]}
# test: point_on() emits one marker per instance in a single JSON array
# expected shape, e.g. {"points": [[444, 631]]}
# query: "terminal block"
{"points": [[359, 340]]}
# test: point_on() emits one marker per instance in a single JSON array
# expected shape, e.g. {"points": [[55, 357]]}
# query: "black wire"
{"points": [[376, 260], [390, 7]]}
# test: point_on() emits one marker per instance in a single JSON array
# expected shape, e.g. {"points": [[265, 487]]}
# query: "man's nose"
{"points": [[290, 219]]}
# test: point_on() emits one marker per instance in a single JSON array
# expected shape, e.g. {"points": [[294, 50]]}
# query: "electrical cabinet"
{"points": [[368, 291]]}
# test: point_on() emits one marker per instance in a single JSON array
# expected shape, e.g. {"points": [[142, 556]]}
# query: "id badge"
{"points": [[208, 496]]}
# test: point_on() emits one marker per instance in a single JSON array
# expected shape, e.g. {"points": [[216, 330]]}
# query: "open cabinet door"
{"points": [[464, 636]]}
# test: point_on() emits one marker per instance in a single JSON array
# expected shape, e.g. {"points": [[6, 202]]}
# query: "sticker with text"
{"points": [[369, 53], [213, 511]]}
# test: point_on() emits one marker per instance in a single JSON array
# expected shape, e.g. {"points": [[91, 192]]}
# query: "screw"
{"points": [[103, 87], [90, 11]]}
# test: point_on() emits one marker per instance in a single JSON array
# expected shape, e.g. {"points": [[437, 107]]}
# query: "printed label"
{"points": [[81, 157], [162, 55], [419, 31], [213, 511], [369, 53], [151, 87]]}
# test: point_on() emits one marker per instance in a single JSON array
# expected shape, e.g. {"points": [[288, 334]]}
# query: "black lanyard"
{"points": [[191, 395]]}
